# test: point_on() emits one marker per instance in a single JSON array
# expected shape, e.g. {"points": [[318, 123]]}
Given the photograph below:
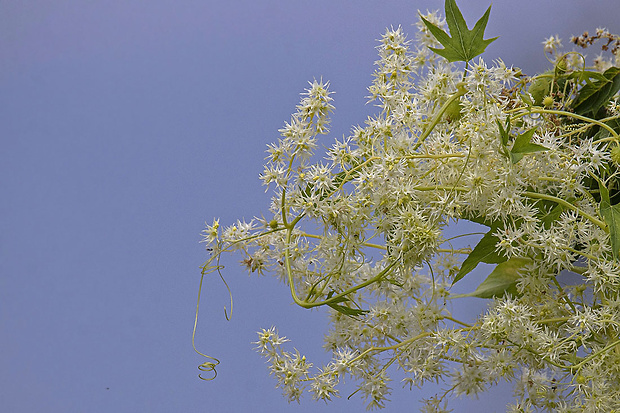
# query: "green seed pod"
{"points": [[273, 224], [547, 101]]}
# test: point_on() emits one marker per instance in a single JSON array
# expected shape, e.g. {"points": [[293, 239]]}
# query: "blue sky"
{"points": [[124, 126]]}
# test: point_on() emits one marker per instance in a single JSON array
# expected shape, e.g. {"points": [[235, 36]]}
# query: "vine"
{"points": [[533, 160]]}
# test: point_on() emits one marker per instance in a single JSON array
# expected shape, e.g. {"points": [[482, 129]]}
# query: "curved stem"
{"points": [[282, 209], [460, 92], [576, 116], [401, 344], [334, 299], [568, 205], [211, 363]]}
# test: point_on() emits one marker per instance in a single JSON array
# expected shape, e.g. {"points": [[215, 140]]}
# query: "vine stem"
{"points": [[336, 298], [402, 343], [576, 116], [568, 205], [579, 365], [460, 92]]}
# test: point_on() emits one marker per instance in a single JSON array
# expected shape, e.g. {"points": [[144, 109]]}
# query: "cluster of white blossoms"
{"points": [[363, 232]]}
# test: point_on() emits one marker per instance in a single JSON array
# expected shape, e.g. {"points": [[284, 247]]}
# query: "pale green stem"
{"points": [[460, 92], [434, 156], [593, 355], [446, 187], [383, 247], [366, 244], [454, 320], [568, 205], [576, 116], [335, 298], [283, 209], [553, 320], [401, 344]]}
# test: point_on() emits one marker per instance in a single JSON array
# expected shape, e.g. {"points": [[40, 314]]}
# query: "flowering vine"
{"points": [[534, 160]]}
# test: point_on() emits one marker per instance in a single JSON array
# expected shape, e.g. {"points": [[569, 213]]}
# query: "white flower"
{"points": [[211, 233], [323, 386], [363, 231], [552, 44]]}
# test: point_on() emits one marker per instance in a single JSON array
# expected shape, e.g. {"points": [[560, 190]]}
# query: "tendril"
{"points": [[212, 362]]}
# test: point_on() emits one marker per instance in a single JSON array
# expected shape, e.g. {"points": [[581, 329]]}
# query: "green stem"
{"points": [[593, 355], [576, 116], [282, 209], [460, 92], [568, 205], [336, 298], [561, 290], [553, 320], [454, 320]]}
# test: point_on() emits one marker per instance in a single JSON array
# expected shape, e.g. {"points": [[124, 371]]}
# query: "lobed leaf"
{"points": [[464, 44]]}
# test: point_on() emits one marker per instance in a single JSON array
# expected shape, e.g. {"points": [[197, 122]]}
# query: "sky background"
{"points": [[124, 126]]}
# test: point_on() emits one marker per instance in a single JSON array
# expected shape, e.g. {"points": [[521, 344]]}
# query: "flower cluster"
{"points": [[364, 230]]}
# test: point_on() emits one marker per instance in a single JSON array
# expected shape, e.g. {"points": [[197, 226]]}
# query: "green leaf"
{"points": [[526, 99], [603, 190], [504, 132], [604, 133], [353, 312], [502, 280], [595, 95], [464, 44], [336, 300], [523, 146], [339, 178], [481, 220], [484, 251], [552, 216], [394, 282], [307, 191], [611, 216], [586, 76]]}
